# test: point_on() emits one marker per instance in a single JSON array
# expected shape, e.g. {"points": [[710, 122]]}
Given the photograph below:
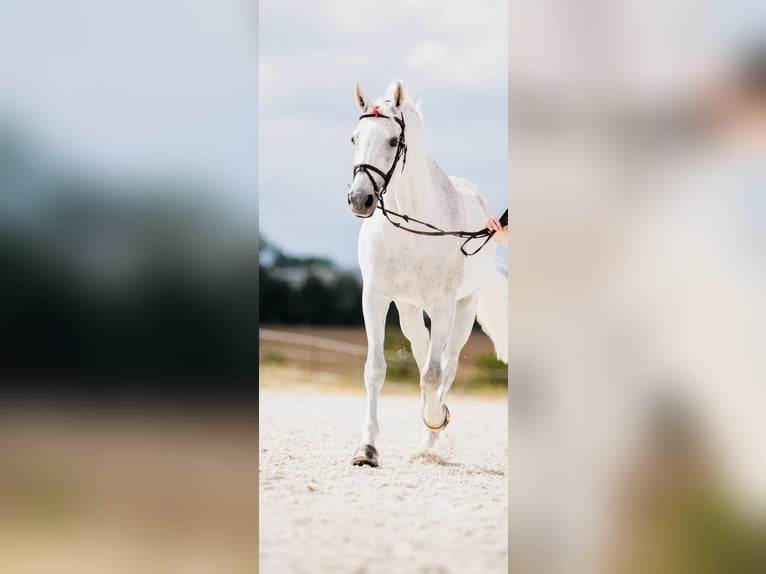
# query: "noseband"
{"points": [[380, 190], [401, 152]]}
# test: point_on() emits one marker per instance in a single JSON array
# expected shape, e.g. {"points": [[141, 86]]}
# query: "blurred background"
{"points": [[128, 213], [637, 140], [128, 290], [631, 136]]}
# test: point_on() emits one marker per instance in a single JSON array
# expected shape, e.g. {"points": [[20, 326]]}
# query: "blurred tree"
{"points": [[306, 290], [121, 287]]}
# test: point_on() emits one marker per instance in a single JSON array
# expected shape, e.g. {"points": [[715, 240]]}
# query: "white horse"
{"points": [[418, 273]]}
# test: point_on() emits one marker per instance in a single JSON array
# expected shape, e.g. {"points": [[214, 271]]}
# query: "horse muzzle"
{"points": [[361, 202]]}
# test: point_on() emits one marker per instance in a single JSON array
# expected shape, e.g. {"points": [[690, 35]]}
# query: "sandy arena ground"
{"points": [[134, 490], [439, 512]]}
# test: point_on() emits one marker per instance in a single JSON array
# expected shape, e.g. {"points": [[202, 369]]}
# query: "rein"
{"points": [[468, 235], [401, 153]]}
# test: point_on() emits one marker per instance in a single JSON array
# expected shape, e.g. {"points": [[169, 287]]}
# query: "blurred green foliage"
{"points": [[274, 357], [490, 371], [136, 284], [312, 291], [400, 363], [703, 533]]}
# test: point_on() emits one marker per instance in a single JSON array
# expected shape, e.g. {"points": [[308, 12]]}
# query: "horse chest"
{"points": [[418, 281]]}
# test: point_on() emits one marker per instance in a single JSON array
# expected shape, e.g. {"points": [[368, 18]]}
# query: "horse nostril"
{"points": [[368, 202], [348, 197]]}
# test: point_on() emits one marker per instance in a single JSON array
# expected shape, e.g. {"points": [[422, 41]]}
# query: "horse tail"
{"points": [[492, 311]]}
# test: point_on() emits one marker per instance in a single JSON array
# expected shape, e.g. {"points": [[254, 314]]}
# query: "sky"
{"points": [[453, 59], [138, 88], [255, 97]]}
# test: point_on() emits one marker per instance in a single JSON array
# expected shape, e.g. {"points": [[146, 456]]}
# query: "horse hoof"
{"points": [[366, 455], [441, 426]]}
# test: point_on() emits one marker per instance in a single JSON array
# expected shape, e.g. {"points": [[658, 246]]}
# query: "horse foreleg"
{"points": [[374, 308], [414, 328], [435, 414], [465, 314]]}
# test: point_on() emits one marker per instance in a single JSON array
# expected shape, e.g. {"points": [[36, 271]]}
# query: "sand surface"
{"points": [[133, 490], [442, 511]]}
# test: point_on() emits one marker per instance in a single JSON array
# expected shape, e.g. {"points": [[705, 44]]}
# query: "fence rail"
{"points": [[317, 355], [311, 341]]}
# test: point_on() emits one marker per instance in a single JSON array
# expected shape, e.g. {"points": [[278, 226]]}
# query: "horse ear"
{"points": [[398, 96], [361, 99]]}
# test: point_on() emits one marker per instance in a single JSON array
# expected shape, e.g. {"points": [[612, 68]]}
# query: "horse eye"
{"points": [[393, 142]]}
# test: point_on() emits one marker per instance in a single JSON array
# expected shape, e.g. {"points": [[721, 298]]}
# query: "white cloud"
{"points": [[302, 76], [454, 45], [426, 54]]}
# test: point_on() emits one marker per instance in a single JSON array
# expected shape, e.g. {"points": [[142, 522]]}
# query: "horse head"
{"points": [[379, 146]]}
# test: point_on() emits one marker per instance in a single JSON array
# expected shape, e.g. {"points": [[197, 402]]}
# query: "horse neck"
{"points": [[421, 188]]}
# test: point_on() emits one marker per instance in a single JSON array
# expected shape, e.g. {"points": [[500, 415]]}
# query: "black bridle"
{"points": [[401, 153], [380, 190]]}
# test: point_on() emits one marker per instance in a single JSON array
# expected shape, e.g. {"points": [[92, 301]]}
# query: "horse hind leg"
{"points": [[375, 308], [414, 328], [465, 315]]}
